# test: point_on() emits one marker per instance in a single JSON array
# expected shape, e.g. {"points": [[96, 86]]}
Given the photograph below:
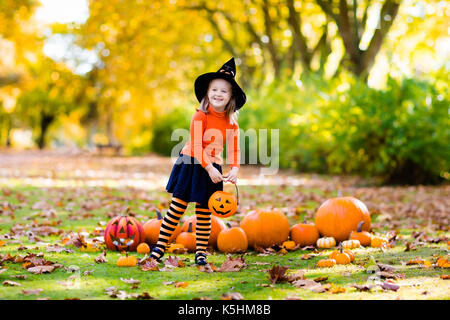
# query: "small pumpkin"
{"points": [[350, 244], [127, 261], [326, 263], [364, 237], [143, 248], [232, 240], [304, 234], [187, 239], [289, 245], [326, 242], [176, 248], [348, 252], [152, 227], [223, 204], [377, 242], [340, 256], [265, 228]]}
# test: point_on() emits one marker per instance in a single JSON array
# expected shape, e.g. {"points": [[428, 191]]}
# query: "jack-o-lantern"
{"points": [[123, 234], [223, 204]]}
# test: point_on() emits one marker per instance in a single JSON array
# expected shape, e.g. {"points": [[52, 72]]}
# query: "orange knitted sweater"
{"points": [[209, 132]]}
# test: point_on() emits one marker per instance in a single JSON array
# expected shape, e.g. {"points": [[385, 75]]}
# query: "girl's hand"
{"points": [[231, 176], [214, 174]]}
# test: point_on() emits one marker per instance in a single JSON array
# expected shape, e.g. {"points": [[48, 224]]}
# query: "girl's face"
{"points": [[219, 93]]}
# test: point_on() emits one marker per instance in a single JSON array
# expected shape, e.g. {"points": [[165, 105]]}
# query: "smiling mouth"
{"points": [[221, 212]]}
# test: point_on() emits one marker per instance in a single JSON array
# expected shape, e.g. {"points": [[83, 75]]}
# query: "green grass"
{"points": [[251, 282]]}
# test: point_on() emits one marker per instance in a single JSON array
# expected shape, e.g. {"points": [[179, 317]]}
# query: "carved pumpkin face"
{"points": [[222, 204], [123, 234]]}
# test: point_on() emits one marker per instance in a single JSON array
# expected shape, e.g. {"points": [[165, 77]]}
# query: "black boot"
{"points": [[159, 252], [200, 259]]}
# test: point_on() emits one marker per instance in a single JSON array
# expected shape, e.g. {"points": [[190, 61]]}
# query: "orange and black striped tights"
{"points": [[202, 229]]}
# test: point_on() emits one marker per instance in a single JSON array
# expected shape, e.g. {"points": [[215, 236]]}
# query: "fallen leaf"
{"points": [[41, 269], [183, 284], [10, 283], [363, 287], [130, 281], [101, 258], [385, 267], [208, 268], [309, 284], [390, 286], [232, 264], [58, 249], [336, 290], [150, 265], [321, 279], [297, 275], [29, 292], [232, 296], [278, 274], [174, 262]]}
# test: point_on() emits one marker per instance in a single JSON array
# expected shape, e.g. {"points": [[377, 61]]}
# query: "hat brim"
{"points": [[202, 83]]}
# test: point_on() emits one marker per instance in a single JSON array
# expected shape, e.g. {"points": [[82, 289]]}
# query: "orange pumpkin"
{"points": [[340, 256], [304, 234], [364, 237], [265, 228], [127, 261], [338, 217], [222, 204], [152, 227], [348, 252], [123, 234], [187, 239], [232, 240], [143, 248], [326, 263], [288, 245], [377, 242], [217, 225]]}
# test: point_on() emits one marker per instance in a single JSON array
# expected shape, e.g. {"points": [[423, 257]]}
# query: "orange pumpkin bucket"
{"points": [[223, 204]]}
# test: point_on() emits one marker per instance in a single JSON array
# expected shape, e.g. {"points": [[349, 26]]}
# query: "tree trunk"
{"points": [[46, 121]]}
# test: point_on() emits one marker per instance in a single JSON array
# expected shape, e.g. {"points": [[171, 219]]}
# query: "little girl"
{"points": [[197, 173]]}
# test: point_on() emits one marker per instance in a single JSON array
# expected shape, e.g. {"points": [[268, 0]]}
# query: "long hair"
{"points": [[229, 108]]}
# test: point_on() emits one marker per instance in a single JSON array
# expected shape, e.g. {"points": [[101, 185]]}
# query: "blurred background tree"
{"points": [[355, 87]]}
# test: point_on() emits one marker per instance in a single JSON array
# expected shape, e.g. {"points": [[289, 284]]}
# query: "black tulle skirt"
{"points": [[190, 182]]}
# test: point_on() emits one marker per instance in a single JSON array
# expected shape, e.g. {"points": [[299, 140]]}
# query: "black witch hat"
{"points": [[226, 72]]}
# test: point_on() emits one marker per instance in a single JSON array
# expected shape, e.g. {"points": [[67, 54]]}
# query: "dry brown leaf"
{"points": [[101, 258], [10, 283], [278, 274], [232, 296], [309, 284], [41, 269], [150, 265], [232, 264], [208, 268], [29, 292], [363, 287], [390, 286]]}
